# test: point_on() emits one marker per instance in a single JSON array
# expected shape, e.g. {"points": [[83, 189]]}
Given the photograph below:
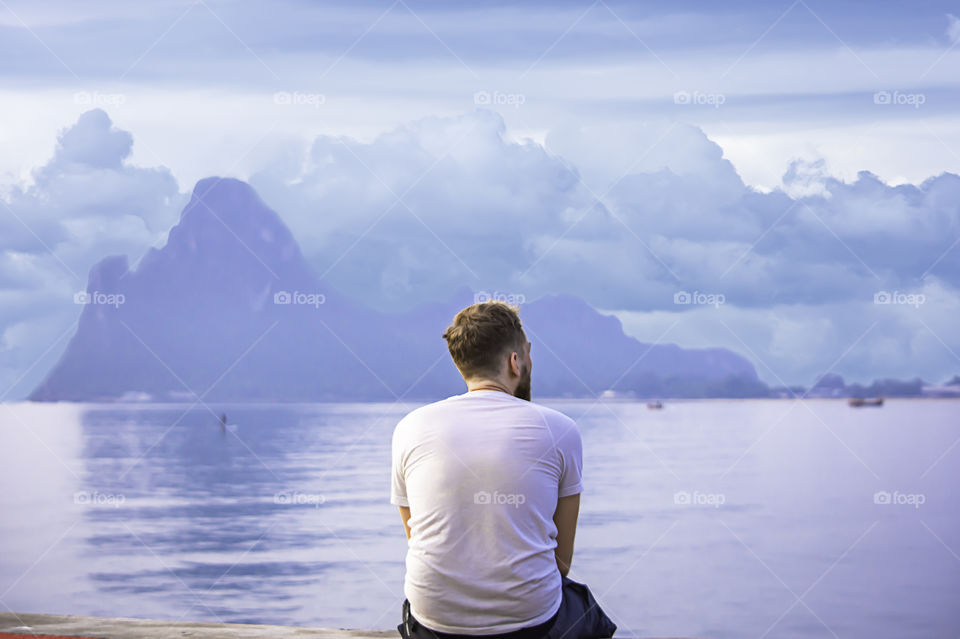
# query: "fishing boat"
{"points": [[857, 402]]}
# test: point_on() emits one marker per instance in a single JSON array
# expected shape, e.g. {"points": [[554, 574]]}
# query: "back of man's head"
{"points": [[482, 335]]}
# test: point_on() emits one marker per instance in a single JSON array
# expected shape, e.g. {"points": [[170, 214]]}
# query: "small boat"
{"points": [[857, 402], [655, 405]]}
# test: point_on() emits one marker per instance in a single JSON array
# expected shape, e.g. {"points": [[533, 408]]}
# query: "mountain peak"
{"points": [[223, 188], [226, 221], [229, 199]]}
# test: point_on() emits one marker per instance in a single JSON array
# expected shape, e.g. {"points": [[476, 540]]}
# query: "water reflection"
{"points": [[154, 511]]}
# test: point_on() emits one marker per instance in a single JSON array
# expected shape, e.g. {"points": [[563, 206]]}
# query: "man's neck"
{"points": [[488, 385]]}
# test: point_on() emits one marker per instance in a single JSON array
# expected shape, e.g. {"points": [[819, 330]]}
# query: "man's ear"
{"points": [[515, 366]]}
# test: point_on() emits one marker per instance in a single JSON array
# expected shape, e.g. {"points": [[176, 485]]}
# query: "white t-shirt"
{"points": [[481, 473]]}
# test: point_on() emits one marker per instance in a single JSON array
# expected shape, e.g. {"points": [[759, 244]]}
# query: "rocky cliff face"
{"points": [[229, 309]]}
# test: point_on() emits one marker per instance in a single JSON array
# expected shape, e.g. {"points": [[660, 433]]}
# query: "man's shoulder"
{"points": [[554, 414], [555, 419], [426, 410]]}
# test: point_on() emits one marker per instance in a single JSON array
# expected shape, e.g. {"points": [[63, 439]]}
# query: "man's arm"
{"points": [[405, 517], [568, 508]]}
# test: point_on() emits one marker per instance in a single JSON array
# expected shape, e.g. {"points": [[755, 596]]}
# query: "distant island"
{"points": [[832, 385], [229, 310]]}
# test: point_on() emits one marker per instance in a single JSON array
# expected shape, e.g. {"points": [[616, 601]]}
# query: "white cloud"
{"points": [[673, 213], [86, 202]]}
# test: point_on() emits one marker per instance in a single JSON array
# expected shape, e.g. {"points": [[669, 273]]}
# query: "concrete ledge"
{"points": [[122, 628]]}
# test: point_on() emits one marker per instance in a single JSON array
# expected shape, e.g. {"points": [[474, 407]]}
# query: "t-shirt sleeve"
{"points": [[398, 486], [570, 447]]}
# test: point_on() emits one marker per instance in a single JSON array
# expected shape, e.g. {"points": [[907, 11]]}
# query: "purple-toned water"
{"points": [[708, 518]]}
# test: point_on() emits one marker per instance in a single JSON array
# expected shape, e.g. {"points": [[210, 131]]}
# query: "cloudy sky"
{"points": [[782, 166]]}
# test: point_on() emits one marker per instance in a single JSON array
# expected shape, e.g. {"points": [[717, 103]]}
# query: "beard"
{"points": [[523, 388]]}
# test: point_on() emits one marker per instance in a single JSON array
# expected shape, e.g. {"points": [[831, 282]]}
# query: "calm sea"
{"points": [[706, 518]]}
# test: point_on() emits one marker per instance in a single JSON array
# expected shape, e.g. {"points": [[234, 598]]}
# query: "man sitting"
{"points": [[488, 484]]}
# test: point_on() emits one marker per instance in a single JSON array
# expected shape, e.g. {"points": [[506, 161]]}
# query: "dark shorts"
{"points": [[579, 617]]}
